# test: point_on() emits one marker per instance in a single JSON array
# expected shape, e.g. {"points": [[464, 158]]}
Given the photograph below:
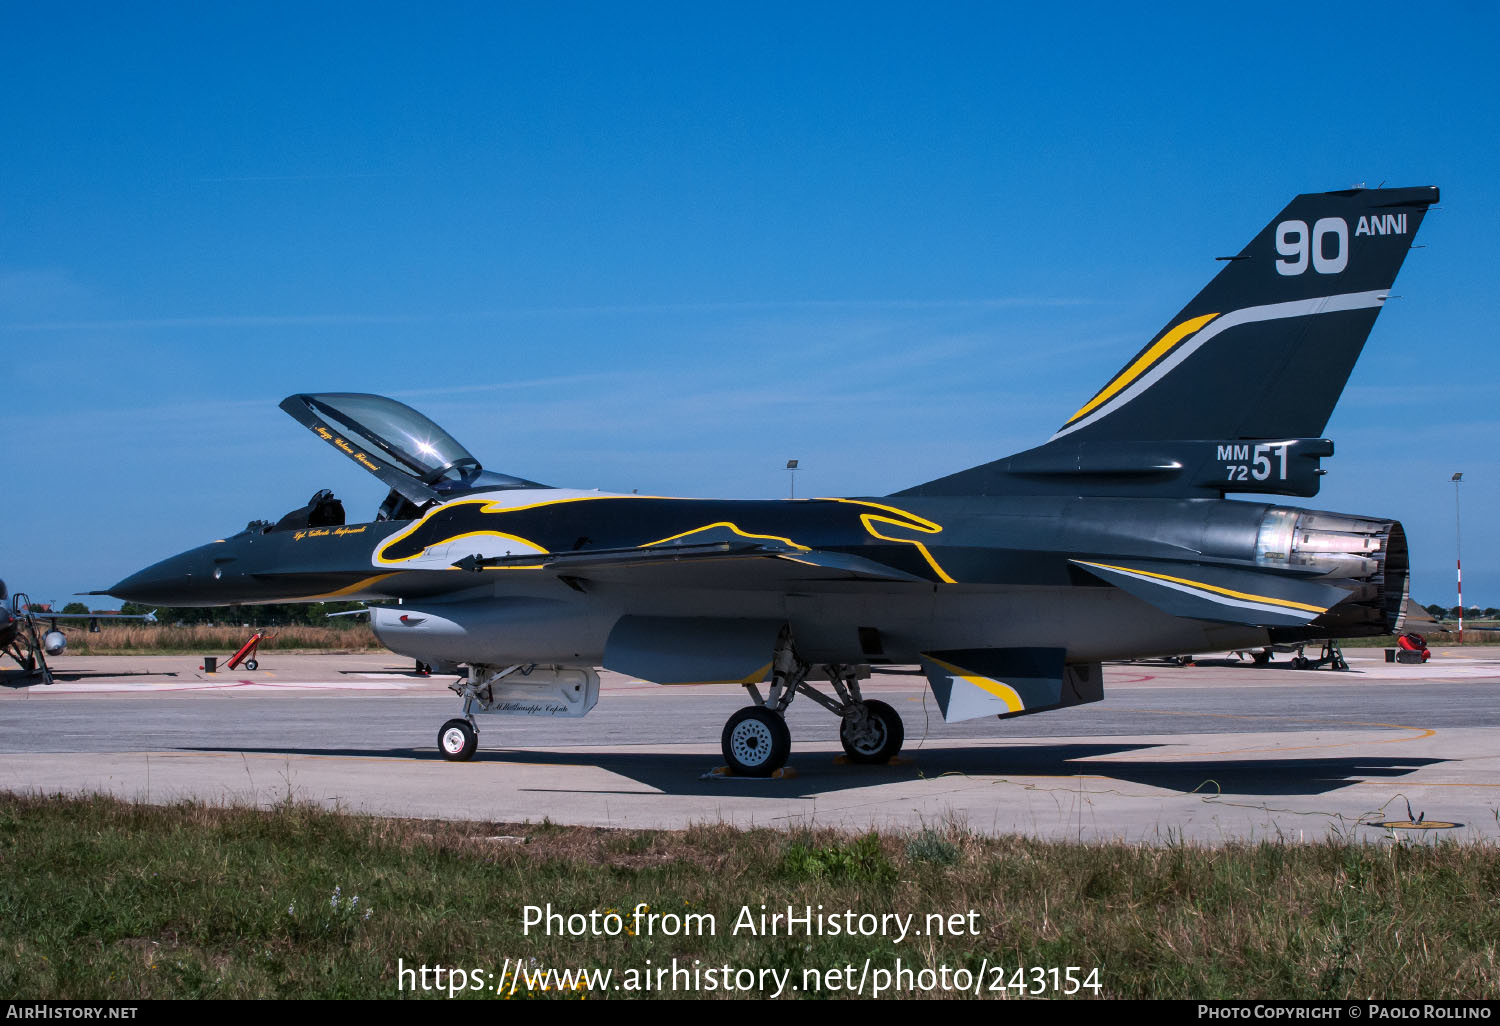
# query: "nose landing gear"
{"points": [[458, 740]]}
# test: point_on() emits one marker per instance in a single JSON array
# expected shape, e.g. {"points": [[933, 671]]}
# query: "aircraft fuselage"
{"points": [[921, 574]]}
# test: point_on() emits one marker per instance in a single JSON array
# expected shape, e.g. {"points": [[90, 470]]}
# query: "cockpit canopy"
{"points": [[420, 461]]}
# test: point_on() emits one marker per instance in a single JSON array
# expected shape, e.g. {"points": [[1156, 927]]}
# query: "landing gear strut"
{"points": [[522, 689], [756, 741]]}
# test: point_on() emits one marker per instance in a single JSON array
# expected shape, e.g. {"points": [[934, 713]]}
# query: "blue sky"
{"points": [[670, 246]]}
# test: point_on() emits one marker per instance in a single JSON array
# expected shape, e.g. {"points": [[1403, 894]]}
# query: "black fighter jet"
{"points": [[1007, 584]]}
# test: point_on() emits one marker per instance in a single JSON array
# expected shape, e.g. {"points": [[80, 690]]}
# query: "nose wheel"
{"points": [[458, 740]]}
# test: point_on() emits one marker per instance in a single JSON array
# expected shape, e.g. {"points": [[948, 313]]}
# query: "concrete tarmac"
{"points": [[1210, 753]]}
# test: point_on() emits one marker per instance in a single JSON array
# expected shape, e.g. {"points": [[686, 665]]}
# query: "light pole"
{"points": [[1458, 552], [791, 472]]}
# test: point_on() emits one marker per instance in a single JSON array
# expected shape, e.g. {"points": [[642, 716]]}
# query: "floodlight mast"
{"points": [[1458, 552]]}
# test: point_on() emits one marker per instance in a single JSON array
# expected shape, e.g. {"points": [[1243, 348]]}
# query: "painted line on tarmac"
{"points": [[1419, 734], [80, 688]]}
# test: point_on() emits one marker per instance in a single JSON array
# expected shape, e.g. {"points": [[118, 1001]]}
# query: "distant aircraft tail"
{"points": [[1261, 355]]}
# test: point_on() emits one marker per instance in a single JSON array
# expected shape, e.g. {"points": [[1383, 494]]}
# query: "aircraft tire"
{"points": [[756, 742], [1301, 663], [458, 741], [1184, 660], [1261, 658], [890, 734]]}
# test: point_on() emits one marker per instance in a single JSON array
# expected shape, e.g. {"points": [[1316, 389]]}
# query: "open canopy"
{"points": [[397, 444]]}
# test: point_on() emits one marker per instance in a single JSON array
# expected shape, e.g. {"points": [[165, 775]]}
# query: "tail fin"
{"points": [[1265, 349], [1263, 352]]}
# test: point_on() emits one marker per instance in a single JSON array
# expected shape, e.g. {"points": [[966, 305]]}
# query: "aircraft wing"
{"points": [[1222, 594], [730, 564], [37, 614]]}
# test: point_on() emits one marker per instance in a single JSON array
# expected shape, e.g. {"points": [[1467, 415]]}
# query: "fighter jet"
{"points": [[1007, 584], [29, 634]]}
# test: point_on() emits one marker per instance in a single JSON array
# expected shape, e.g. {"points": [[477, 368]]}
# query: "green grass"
{"points": [[103, 899]]}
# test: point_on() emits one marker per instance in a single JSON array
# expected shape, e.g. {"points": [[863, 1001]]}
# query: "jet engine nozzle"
{"points": [[1364, 554]]}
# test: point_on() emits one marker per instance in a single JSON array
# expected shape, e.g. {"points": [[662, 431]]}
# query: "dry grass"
{"points": [[121, 639]]}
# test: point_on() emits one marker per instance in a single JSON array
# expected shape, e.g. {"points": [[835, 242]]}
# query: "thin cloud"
{"points": [[148, 323], [305, 320]]}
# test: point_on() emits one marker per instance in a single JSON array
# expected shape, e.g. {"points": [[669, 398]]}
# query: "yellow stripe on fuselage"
{"points": [[912, 522], [1246, 596], [350, 590], [733, 527]]}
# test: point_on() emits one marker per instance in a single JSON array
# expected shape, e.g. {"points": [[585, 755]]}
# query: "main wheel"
{"points": [[875, 740], [756, 742], [1184, 660], [1262, 657], [458, 741], [1301, 663]]}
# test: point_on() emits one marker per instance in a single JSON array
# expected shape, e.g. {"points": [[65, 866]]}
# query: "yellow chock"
{"points": [[785, 773]]}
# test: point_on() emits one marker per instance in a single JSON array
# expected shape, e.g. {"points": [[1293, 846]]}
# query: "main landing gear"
{"points": [[756, 741]]}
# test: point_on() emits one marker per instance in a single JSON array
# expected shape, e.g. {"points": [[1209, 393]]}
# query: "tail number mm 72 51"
{"points": [[1247, 463]]}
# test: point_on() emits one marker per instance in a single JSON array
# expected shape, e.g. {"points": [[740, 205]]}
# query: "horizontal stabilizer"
{"points": [[969, 683], [1221, 594], [692, 649]]}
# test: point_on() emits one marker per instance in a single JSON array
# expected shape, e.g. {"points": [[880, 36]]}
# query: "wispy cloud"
{"points": [[227, 321], [21, 284]]}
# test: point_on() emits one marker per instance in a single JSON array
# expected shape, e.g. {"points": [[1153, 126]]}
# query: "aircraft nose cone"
{"points": [[170, 582]]}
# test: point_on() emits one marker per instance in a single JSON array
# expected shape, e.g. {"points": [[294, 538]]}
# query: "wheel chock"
{"points": [[725, 773]]}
